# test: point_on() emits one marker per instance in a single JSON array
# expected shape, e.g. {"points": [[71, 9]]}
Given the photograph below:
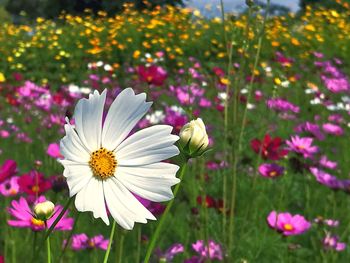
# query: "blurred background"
{"points": [[16, 10]]}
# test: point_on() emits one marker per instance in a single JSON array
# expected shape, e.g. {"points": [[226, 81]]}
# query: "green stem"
{"points": [[138, 251], [164, 216], [240, 138], [48, 247], [120, 247], [110, 242], [69, 237]]}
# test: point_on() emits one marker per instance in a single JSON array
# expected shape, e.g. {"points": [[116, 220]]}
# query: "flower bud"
{"points": [[193, 138], [44, 210]]}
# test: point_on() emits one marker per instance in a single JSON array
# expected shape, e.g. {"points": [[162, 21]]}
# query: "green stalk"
{"points": [[110, 242], [240, 139], [164, 216], [69, 237], [138, 251], [120, 247], [48, 246]]}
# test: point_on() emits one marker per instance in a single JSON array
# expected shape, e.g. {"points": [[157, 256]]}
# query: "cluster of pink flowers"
{"points": [[82, 242]]}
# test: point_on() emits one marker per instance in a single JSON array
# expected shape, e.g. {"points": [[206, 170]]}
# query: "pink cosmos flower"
{"points": [[287, 223], [332, 242], [302, 146], [34, 183], [325, 162], [201, 247], [311, 128], [53, 150], [170, 253], [82, 241], [282, 105], [270, 170], [329, 180], [10, 187], [8, 169], [333, 129], [153, 74], [23, 216]]}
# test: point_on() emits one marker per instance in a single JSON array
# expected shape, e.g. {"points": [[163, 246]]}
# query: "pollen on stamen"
{"points": [[103, 163]]}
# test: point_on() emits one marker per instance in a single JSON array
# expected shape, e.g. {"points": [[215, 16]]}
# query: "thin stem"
{"points": [[48, 246], [110, 243], [138, 251], [240, 139], [120, 247], [69, 237], [164, 216]]}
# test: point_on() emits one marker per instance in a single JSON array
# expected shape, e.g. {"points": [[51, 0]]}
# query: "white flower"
{"points": [[104, 167]]}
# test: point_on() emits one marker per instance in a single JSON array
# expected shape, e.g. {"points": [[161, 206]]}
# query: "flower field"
{"points": [[242, 157]]}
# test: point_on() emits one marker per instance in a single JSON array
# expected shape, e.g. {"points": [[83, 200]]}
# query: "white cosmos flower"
{"points": [[104, 166]]}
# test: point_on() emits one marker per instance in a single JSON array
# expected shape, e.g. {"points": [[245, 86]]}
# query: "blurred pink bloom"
{"points": [[34, 183], [279, 104], [287, 223], [82, 241], [10, 186], [23, 216], [333, 129], [325, 162], [302, 146], [213, 252], [53, 150], [332, 242], [8, 169], [270, 170], [153, 74], [170, 253]]}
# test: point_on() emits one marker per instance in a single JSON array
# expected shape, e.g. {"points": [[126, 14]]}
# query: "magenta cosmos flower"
{"points": [[10, 187], [333, 129], [302, 146], [8, 169], [82, 241], [24, 217], [270, 170], [153, 74], [287, 223], [332, 242], [201, 247], [34, 183]]}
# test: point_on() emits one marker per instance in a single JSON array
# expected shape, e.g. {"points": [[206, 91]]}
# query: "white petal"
{"points": [[78, 175], [152, 182], [147, 146], [126, 110], [71, 147], [88, 120], [124, 207], [91, 198]]}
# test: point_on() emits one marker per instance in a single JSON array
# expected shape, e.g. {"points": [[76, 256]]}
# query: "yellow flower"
{"points": [[2, 77]]}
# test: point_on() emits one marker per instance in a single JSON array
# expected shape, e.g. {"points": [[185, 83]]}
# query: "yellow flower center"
{"points": [[273, 173], [35, 188], [37, 222], [288, 227], [103, 163]]}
